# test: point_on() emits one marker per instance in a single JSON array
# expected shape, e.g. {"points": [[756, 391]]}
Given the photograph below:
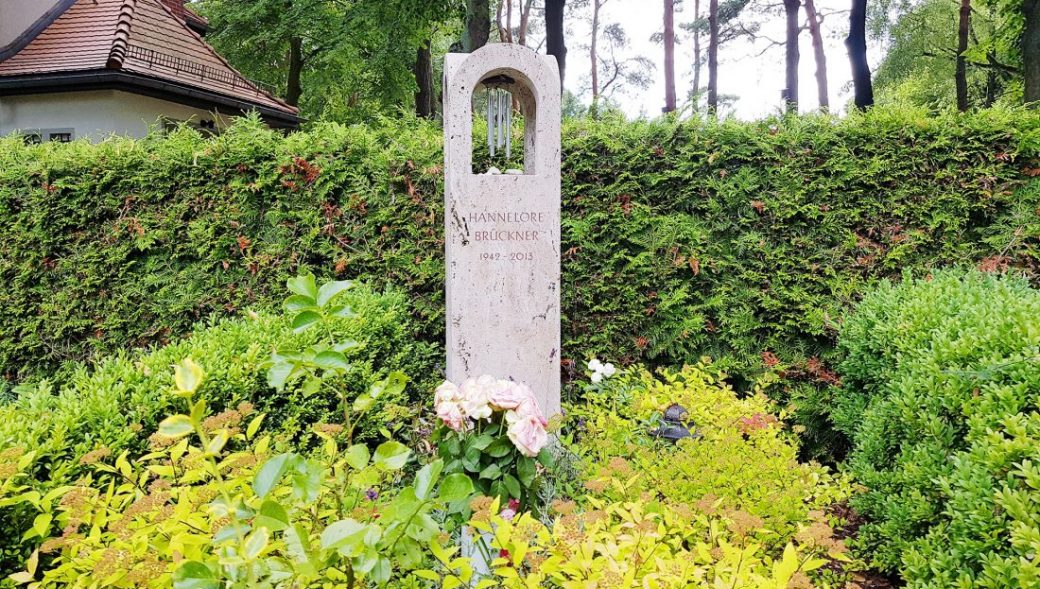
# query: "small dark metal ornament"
{"points": [[675, 424]]}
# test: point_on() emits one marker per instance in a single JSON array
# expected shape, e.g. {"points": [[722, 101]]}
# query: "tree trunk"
{"points": [[991, 80], [593, 58], [424, 80], [669, 55], [525, 20], [696, 49], [502, 32], [555, 38], [478, 25], [1031, 50], [713, 56], [509, 21], [819, 54], [856, 42], [792, 55], [293, 85], [961, 74]]}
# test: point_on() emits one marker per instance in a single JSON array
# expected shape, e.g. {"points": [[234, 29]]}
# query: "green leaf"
{"points": [[391, 385], [380, 573], [278, 374], [492, 472], [305, 320], [255, 543], [545, 458], [254, 426], [306, 479], [427, 478], [512, 485], [455, 487], [303, 285], [357, 456], [499, 448], [331, 360], [194, 575], [481, 442], [42, 525], [272, 516], [408, 553], [363, 404], [345, 536], [342, 311], [298, 547], [391, 455], [297, 303], [187, 376], [271, 473], [525, 470], [176, 426], [329, 290]]}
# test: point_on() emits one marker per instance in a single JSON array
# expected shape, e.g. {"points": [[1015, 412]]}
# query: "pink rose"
{"points": [[507, 395], [528, 435], [527, 408], [447, 401]]}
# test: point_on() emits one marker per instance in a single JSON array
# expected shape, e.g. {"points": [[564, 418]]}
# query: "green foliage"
{"points": [[918, 66], [488, 457], [940, 400], [730, 508], [213, 506], [355, 58], [110, 403], [740, 458], [641, 543], [679, 239]]}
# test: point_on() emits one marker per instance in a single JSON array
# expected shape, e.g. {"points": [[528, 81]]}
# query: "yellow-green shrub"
{"points": [[214, 506], [741, 458], [643, 543]]}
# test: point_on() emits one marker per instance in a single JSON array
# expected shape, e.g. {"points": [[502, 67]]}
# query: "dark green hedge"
{"points": [[729, 239]]}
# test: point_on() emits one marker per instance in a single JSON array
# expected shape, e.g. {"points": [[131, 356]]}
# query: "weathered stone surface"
{"points": [[502, 232]]}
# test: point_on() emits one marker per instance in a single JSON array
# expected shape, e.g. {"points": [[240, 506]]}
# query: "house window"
{"points": [[37, 136], [59, 136]]}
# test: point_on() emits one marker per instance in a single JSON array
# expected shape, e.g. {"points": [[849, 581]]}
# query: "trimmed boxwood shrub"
{"points": [[941, 399]]}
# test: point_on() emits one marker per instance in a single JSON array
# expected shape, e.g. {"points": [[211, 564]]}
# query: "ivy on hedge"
{"points": [[679, 239]]}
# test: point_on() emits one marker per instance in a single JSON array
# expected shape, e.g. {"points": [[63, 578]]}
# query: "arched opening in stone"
{"points": [[502, 141]]}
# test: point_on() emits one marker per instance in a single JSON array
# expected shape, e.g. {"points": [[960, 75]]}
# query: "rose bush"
{"points": [[493, 430]]}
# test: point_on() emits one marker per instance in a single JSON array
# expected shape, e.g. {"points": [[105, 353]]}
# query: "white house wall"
{"points": [[93, 115], [17, 15]]}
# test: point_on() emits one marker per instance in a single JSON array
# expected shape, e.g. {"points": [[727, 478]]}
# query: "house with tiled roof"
{"points": [[92, 68]]}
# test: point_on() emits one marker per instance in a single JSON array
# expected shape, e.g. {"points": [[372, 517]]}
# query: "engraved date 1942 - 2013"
{"points": [[498, 233], [507, 256]]}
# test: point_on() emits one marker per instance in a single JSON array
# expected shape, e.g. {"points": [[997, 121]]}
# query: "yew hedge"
{"points": [[743, 241]]}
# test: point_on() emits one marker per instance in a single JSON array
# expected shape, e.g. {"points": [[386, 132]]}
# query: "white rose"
{"points": [[475, 393]]}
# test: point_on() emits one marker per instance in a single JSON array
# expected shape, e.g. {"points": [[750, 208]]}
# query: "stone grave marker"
{"points": [[502, 231]]}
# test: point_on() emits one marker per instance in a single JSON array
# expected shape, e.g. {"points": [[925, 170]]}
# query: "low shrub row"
{"points": [[679, 239], [225, 491], [940, 397], [116, 403]]}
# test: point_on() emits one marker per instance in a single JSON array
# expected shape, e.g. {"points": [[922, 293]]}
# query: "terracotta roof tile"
{"points": [[143, 37]]}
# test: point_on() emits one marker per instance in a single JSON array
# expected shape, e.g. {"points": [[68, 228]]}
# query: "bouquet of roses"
{"points": [[493, 430]]}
